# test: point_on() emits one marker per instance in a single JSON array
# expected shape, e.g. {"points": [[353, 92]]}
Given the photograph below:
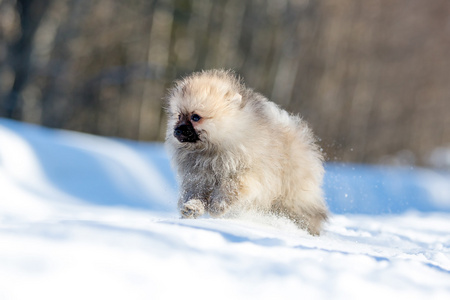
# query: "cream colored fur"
{"points": [[251, 155]]}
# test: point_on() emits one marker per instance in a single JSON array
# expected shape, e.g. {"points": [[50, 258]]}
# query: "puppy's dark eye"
{"points": [[179, 117], [195, 118]]}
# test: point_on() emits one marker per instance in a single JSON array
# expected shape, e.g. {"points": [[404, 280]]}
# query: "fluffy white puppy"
{"points": [[234, 150]]}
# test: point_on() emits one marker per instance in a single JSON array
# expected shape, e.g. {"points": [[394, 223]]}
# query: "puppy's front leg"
{"points": [[222, 198], [192, 209], [192, 201]]}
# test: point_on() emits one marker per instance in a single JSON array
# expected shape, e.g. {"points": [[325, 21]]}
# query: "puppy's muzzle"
{"points": [[185, 133]]}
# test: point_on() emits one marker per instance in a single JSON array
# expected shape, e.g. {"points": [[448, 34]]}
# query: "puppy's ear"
{"points": [[236, 98]]}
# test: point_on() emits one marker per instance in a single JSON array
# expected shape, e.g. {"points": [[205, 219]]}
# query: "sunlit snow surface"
{"points": [[84, 217]]}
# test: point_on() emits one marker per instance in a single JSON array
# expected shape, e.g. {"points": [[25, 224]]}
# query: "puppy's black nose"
{"points": [[178, 131], [185, 133], [184, 130]]}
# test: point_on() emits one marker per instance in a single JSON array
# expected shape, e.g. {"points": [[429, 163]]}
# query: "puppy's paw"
{"points": [[192, 209], [218, 207]]}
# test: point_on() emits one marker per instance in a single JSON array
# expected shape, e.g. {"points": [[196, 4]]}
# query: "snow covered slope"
{"points": [[85, 217]]}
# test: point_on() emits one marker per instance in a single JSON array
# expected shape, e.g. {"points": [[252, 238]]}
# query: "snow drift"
{"points": [[94, 218]]}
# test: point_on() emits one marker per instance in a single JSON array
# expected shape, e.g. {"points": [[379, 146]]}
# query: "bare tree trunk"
{"points": [[31, 13]]}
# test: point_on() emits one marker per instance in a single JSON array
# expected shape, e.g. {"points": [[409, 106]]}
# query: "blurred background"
{"points": [[371, 77]]}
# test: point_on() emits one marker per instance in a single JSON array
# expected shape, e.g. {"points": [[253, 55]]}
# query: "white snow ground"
{"points": [[85, 217]]}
